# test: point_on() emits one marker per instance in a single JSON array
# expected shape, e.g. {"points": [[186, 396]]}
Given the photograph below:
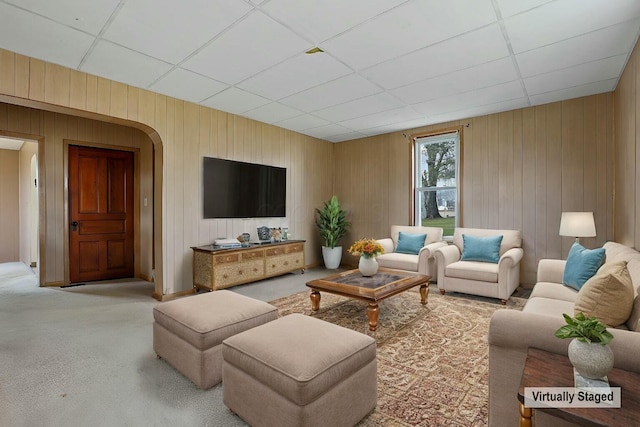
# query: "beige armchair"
{"points": [[422, 261], [490, 279]]}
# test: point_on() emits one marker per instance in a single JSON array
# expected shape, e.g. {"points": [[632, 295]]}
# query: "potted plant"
{"points": [[332, 223], [589, 351]]}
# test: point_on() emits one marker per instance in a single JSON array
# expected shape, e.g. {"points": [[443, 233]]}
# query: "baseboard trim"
{"points": [[49, 284], [169, 297]]}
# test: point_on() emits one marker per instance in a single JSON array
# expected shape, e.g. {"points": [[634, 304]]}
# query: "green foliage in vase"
{"points": [[585, 329], [332, 222]]}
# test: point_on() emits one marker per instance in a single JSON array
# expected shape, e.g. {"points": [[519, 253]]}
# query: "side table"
{"points": [[545, 369]]}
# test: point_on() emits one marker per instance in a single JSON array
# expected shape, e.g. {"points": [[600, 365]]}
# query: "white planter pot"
{"points": [[591, 360], [368, 266], [332, 257]]}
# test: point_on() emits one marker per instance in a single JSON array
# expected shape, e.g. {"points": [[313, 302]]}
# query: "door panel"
{"points": [[100, 214]]}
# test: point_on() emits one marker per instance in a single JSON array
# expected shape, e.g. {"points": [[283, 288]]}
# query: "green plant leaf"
{"points": [[585, 329]]}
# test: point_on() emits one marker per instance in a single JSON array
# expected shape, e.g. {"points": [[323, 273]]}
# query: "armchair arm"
{"points": [[509, 272], [387, 244], [551, 270], [426, 259], [445, 255]]}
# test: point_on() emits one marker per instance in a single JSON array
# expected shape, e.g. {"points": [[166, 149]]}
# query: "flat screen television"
{"points": [[233, 189]]}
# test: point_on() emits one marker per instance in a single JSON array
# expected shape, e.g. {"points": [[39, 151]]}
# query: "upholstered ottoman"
{"points": [[188, 332], [299, 371]]}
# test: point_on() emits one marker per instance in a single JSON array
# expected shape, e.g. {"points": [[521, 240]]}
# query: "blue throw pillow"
{"points": [[483, 249], [582, 264], [410, 243]]}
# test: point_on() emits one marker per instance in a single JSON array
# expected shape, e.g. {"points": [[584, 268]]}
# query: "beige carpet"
{"points": [[432, 360]]}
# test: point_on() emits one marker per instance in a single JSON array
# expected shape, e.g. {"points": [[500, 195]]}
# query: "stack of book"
{"points": [[227, 243]]}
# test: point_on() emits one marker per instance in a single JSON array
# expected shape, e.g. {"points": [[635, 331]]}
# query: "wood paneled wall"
{"points": [[9, 206], [182, 133], [520, 170], [627, 154]]}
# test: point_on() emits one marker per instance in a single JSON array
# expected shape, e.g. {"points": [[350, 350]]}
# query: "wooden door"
{"points": [[100, 214]]}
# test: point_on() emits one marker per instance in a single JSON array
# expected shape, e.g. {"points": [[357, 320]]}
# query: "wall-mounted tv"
{"points": [[233, 189]]}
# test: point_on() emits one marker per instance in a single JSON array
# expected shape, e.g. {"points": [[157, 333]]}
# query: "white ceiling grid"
{"points": [[387, 65]]}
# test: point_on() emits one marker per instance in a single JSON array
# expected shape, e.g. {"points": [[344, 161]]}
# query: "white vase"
{"points": [[591, 360], [332, 257], [368, 266]]}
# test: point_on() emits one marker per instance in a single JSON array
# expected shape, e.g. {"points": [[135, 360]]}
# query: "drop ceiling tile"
{"points": [[320, 20], [474, 48], [271, 113], [408, 27], [187, 85], [234, 100], [468, 113], [575, 92], [345, 137], [394, 127], [252, 45], [189, 27], [467, 100], [563, 19], [10, 144], [123, 65], [360, 107], [611, 41], [40, 38], [490, 74], [341, 90], [326, 131], [88, 16], [302, 122], [578, 75], [299, 73], [512, 7], [388, 117]]}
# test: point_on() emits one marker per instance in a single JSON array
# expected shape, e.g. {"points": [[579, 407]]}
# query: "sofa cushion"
{"points": [[608, 295], [472, 270], [410, 243], [398, 261], [582, 264], [482, 249], [548, 307], [554, 291]]}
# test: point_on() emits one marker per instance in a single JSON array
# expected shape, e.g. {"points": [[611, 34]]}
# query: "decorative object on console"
{"points": [[367, 250], [588, 352], [276, 234], [332, 223], [264, 233], [577, 224]]}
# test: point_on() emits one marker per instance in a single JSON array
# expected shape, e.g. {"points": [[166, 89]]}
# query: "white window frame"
{"points": [[418, 142]]}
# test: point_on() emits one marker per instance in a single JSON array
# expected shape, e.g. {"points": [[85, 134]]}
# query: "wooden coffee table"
{"points": [[384, 284]]}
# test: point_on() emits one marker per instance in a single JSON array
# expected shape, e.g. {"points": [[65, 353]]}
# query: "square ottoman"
{"points": [[300, 371], [188, 332]]}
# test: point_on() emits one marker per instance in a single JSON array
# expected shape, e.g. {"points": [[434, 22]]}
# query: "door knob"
{"points": [[74, 226]]}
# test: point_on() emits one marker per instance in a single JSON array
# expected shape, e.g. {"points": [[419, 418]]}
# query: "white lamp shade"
{"points": [[577, 224]]}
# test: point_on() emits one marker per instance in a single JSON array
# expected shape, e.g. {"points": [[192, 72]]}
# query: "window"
{"points": [[436, 181]]}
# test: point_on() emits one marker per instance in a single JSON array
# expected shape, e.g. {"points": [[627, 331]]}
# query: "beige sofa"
{"points": [[511, 332], [480, 278], [423, 262]]}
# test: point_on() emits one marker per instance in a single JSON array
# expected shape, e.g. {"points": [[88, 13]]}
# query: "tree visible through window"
{"points": [[437, 181]]}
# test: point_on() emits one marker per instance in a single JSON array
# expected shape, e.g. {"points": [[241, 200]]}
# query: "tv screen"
{"points": [[233, 189]]}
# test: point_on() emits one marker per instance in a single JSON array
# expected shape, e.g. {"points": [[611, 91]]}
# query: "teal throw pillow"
{"points": [[410, 243], [582, 264], [483, 249]]}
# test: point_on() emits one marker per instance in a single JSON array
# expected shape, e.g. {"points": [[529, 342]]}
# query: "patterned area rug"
{"points": [[433, 360]]}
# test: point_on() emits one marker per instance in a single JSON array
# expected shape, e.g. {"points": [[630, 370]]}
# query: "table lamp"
{"points": [[577, 224]]}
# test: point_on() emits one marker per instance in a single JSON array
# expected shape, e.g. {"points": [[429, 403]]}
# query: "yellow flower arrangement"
{"points": [[367, 248]]}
